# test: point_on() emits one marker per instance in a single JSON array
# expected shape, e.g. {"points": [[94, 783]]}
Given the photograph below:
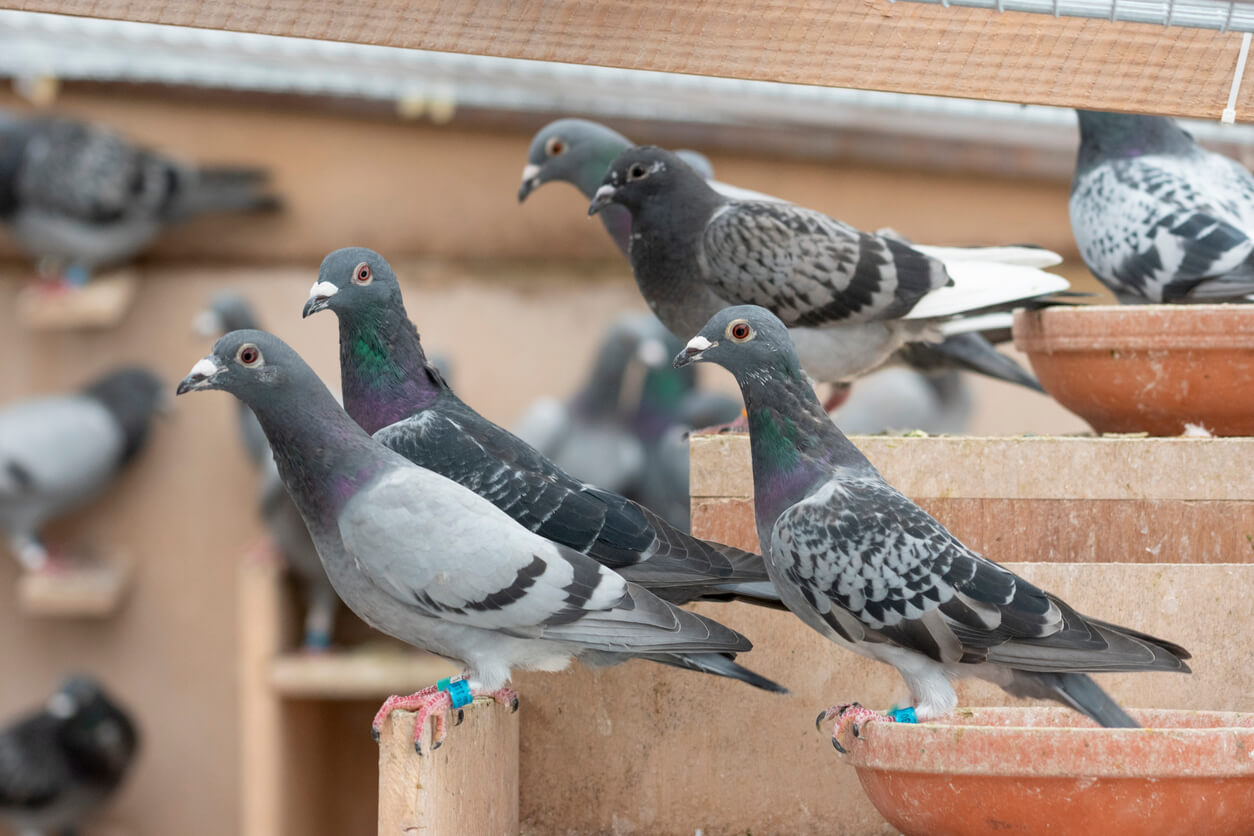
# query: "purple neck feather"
{"points": [[383, 370]]}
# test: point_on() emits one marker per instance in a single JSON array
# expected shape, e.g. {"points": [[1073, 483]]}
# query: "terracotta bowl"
{"points": [[1146, 368], [1050, 770]]}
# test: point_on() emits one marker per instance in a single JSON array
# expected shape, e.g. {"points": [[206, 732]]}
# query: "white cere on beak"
{"points": [[605, 191], [323, 289], [530, 170], [699, 343], [205, 367], [62, 706]]}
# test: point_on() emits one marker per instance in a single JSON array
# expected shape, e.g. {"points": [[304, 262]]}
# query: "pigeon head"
{"points": [[574, 151], [229, 311], [746, 340], [249, 364], [93, 728], [1121, 135], [640, 174], [351, 280], [132, 395]]}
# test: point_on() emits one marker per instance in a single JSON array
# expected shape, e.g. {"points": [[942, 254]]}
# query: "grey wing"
{"points": [[53, 453], [812, 270], [462, 560], [91, 175], [1158, 228]]}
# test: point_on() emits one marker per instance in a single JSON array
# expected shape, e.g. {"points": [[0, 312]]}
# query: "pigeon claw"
{"points": [[839, 748]]}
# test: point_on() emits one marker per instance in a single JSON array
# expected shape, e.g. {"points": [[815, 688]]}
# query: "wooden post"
{"points": [[468, 785]]}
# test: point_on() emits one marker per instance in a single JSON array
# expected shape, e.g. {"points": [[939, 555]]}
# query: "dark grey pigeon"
{"points": [[423, 559], [860, 563], [60, 764], [78, 197], [580, 152], [231, 312], [58, 452], [392, 391], [1158, 218], [851, 299]]}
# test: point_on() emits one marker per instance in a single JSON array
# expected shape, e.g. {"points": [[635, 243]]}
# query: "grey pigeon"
{"points": [[862, 564], [587, 436], [580, 152], [58, 452], [79, 197], [228, 312], [1158, 218], [60, 764], [392, 391], [423, 559], [850, 298], [901, 399]]}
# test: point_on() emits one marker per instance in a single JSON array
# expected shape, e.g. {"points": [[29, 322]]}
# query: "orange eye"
{"points": [[741, 331], [249, 355], [362, 274], [554, 147]]}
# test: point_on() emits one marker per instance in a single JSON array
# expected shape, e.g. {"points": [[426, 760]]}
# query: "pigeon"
{"points": [[231, 312], [58, 452], [59, 765], [899, 399], [580, 152], [1157, 218], [588, 436], [78, 197], [393, 392], [850, 298], [862, 564], [421, 558]]}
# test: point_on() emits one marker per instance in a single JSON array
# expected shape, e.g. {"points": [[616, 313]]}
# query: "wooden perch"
{"points": [[101, 303], [90, 591], [358, 673], [869, 44], [468, 785]]}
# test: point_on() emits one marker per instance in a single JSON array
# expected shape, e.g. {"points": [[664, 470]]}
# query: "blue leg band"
{"points": [[904, 715], [458, 690]]}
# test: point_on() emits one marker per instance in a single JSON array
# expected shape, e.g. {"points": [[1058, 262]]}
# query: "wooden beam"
{"points": [[468, 785], [870, 44]]}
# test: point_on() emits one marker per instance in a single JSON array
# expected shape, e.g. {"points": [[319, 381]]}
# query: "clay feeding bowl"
{"points": [[1052, 771], [1146, 368]]}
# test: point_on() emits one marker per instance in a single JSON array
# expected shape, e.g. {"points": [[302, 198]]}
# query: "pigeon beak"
{"points": [[201, 376], [319, 296], [693, 352], [530, 181], [604, 197]]}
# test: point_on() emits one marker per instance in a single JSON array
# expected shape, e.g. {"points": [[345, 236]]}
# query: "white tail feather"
{"points": [[982, 284]]}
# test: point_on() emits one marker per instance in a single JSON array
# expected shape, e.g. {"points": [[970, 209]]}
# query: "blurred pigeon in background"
{"points": [[862, 564], [588, 436], [1157, 217], [423, 559], [77, 197], [231, 312], [392, 391], [58, 452], [851, 298], [899, 399], [580, 152], [59, 765]]}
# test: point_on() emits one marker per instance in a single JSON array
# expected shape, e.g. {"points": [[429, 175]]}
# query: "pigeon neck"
{"points": [[599, 396], [1105, 136], [384, 373], [323, 456], [794, 443], [588, 178], [661, 399]]}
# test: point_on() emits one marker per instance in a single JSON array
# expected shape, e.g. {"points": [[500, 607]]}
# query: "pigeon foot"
{"points": [[837, 396], [437, 702], [853, 716], [740, 425]]}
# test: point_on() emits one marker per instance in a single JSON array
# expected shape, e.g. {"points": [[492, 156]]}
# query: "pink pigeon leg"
{"points": [[433, 701], [851, 716], [837, 396]]}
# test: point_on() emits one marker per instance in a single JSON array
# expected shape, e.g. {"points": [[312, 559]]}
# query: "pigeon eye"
{"points": [[249, 355], [637, 172], [554, 147], [740, 331], [362, 274]]}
